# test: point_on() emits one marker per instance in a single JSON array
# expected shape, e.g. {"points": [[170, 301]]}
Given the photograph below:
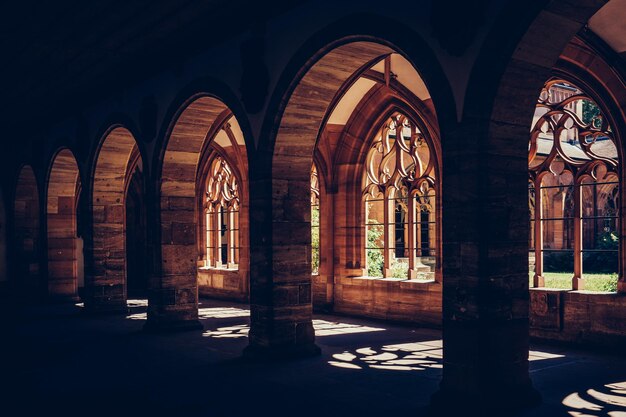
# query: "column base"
{"points": [[578, 284], [173, 326], [277, 353], [621, 287], [447, 402]]}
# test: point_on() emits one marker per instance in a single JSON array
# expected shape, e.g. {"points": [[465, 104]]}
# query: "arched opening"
{"points": [[26, 232], [574, 192], [61, 207], [384, 196], [203, 201], [118, 162], [331, 117]]}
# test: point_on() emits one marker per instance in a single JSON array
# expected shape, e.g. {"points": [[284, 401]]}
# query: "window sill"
{"points": [[585, 292], [417, 281], [420, 285], [212, 268]]}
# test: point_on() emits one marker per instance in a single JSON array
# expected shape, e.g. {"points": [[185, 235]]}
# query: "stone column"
{"points": [[485, 264], [280, 266]]}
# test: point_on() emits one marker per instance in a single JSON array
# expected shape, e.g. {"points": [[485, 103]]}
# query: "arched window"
{"points": [[315, 221], [573, 162], [222, 216], [399, 194]]}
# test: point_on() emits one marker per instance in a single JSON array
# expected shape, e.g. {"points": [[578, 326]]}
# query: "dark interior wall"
{"points": [[3, 239], [251, 63]]}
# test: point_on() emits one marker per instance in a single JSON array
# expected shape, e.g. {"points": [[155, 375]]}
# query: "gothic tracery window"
{"points": [[222, 216], [573, 162], [399, 195]]}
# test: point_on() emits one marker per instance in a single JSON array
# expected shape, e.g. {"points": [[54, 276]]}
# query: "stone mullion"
{"points": [[216, 238], [577, 279], [538, 278], [412, 234], [210, 244], [231, 238], [387, 234]]}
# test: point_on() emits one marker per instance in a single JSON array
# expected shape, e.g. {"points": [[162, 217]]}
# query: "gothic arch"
{"points": [[63, 188], [106, 288], [485, 168], [289, 151], [197, 120]]}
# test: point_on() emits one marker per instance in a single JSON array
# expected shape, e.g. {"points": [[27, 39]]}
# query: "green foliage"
{"points": [[609, 284], [315, 240], [399, 269], [591, 111], [593, 281], [608, 240], [605, 262], [375, 258]]}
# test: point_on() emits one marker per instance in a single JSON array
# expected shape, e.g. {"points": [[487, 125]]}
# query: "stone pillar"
{"points": [[62, 285], [173, 292], [280, 267], [485, 264]]}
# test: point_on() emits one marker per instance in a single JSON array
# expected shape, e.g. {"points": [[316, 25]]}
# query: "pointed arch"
{"points": [[106, 287], [199, 120]]}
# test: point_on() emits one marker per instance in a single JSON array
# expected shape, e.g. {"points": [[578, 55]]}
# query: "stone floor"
{"points": [[58, 361]]}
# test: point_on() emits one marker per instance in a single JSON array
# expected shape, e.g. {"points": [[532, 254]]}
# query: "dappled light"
{"points": [[322, 327], [137, 303], [329, 328], [229, 332], [610, 400], [418, 356], [222, 313], [534, 355]]}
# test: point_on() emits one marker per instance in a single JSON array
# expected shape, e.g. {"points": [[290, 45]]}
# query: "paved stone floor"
{"points": [[58, 361]]}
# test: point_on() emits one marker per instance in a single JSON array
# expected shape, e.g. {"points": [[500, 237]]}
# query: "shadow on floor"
{"points": [[58, 361]]}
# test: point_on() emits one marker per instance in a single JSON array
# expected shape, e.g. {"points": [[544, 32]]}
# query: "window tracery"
{"points": [[222, 215], [573, 162], [399, 196]]}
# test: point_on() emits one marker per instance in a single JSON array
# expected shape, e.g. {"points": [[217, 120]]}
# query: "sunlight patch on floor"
{"points": [[418, 356], [330, 328], [222, 312], [229, 332], [535, 355], [608, 401]]}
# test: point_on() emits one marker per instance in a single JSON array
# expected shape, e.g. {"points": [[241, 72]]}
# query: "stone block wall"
{"points": [[227, 284], [578, 316]]}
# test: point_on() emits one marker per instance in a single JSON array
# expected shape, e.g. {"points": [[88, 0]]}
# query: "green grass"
{"points": [[593, 281]]}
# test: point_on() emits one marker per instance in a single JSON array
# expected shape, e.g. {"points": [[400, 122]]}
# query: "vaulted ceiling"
{"points": [[59, 56], [64, 53]]}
